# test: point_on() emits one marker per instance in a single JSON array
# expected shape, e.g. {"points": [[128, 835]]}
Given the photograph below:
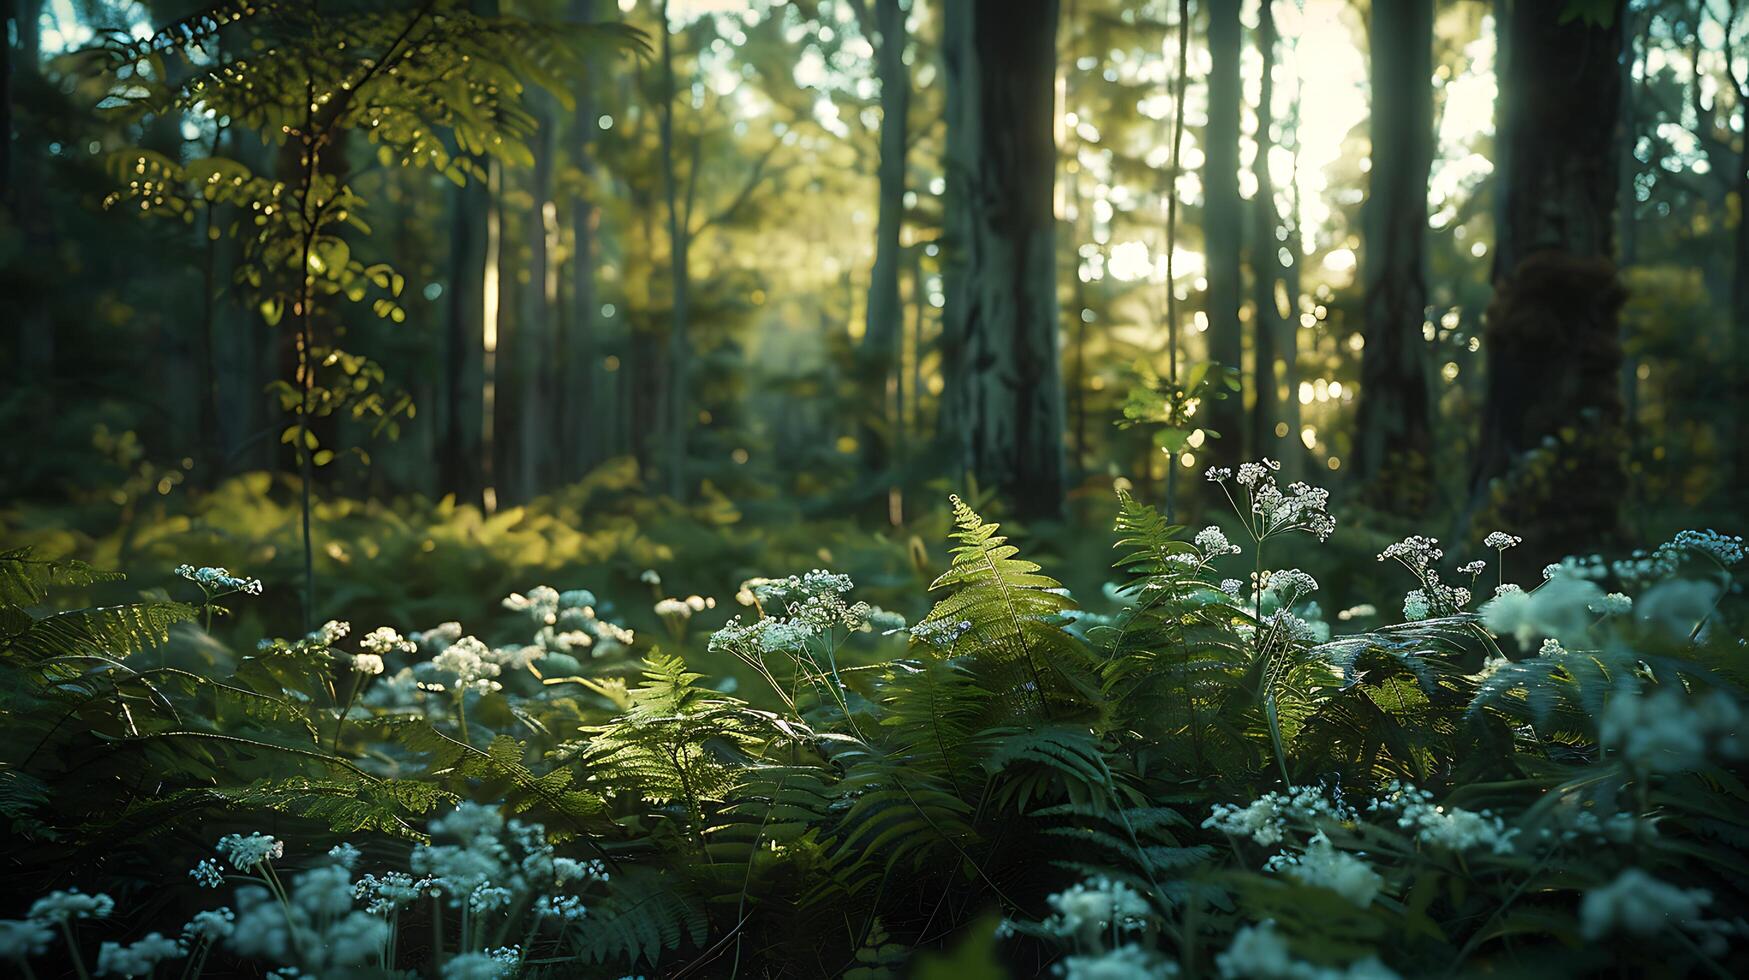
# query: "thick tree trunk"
{"points": [[877, 355], [1222, 221], [1549, 460], [1004, 403], [535, 344], [1393, 443]]}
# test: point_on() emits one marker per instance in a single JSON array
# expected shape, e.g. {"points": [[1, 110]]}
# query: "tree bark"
{"points": [[1004, 401], [1273, 330], [461, 451], [678, 246], [1393, 444], [1549, 460], [580, 445], [1222, 221], [877, 355]]}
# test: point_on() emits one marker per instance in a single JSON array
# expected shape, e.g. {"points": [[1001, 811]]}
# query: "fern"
{"points": [[641, 918], [1014, 622]]}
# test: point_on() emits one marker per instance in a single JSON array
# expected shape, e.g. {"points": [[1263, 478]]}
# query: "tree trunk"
{"points": [[1274, 343], [678, 245], [580, 444], [877, 355], [535, 342], [1004, 402], [1222, 221], [1549, 460], [1393, 443], [461, 451]]}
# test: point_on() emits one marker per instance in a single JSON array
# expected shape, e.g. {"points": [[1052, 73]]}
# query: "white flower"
{"points": [[1213, 542], [650, 577], [940, 633], [1232, 587], [541, 604], [1260, 953], [1127, 962], [245, 853], [1415, 551], [1639, 904], [1613, 604], [674, 608], [218, 580], [1415, 606], [210, 926], [1500, 540], [1290, 585], [1323, 866], [136, 959], [383, 641], [470, 661], [1726, 549], [368, 664], [1666, 731], [495, 965], [1450, 827], [330, 633], [20, 938], [208, 873], [71, 904], [1265, 819], [1093, 907], [1561, 608], [1476, 567]]}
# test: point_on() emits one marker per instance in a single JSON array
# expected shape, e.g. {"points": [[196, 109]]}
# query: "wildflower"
{"points": [[1213, 542], [1726, 549], [1232, 587], [245, 853], [136, 959], [650, 577], [218, 580], [1251, 473], [210, 926], [1473, 568], [1450, 827], [1417, 552], [885, 621], [389, 892], [1260, 953], [1323, 866], [1500, 540], [1356, 612], [20, 938], [1265, 819], [470, 661], [1678, 607], [330, 633], [1639, 904], [1127, 962], [1552, 648], [368, 664], [1613, 604], [1094, 907], [72, 904], [940, 633], [567, 908], [1290, 585], [438, 638], [673, 608], [1217, 474], [384, 640], [1415, 605], [541, 604], [1665, 731], [494, 965], [1560, 608]]}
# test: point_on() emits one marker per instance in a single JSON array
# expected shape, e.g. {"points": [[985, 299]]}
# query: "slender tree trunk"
{"points": [[581, 443], [1222, 221], [461, 450], [1005, 381], [1549, 460], [1273, 332], [1393, 443], [878, 352], [678, 245], [535, 340]]}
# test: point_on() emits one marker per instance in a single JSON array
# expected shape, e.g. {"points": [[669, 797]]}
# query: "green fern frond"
{"points": [[107, 631], [642, 917]]}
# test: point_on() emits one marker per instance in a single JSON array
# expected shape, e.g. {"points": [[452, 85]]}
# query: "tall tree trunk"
{"points": [[1549, 460], [535, 342], [581, 445], [1005, 394], [877, 355], [1222, 221], [461, 450], [1274, 344], [678, 246], [1393, 443]]}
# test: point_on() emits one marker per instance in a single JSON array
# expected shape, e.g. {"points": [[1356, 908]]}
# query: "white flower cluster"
{"points": [[1560, 608], [71, 904], [1260, 953], [1726, 549], [496, 964], [479, 861], [1092, 908], [208, 873], [316, 926], [384, 640], [1638, 904], [1667, 731], [1290, 585], [1265, 820], [1213, 543], [1300, 508], [472, 663], [136, 959], [22, 938], [682, 609], [1473, 568], [1452, 828], [1613, 604], [813, 605], [214, 581], [1127, 962], [1434, 598], [329, 633], [1500, 540], [210, 926], [245, 853], [1323, 866]]}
